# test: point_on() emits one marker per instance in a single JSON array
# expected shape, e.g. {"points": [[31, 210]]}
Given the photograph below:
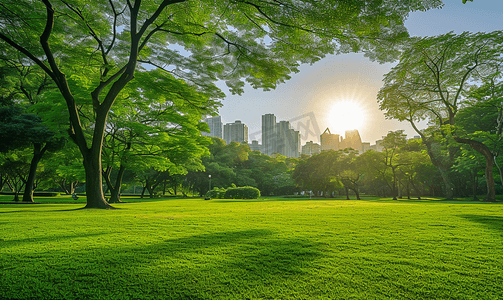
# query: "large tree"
{"points": [[430, 83], [101, 44]]}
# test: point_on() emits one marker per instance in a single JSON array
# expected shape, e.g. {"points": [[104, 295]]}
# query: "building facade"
{"points": [[215, 125], [352, 140], [255, 146], [329, 141], [311, 148], [235, 132], [268, 134]]}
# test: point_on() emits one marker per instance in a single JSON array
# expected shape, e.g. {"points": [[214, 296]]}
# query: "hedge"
{"points": [[216, 193], [245, 192]]}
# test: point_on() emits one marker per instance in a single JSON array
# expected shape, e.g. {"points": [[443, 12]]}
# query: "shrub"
{"points": [[245, 192], [216, 193]]}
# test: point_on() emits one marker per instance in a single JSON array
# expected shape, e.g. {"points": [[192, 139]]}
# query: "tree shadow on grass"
{"points": [[48, 238], [212, 265], [492, 222], [248, 263]]}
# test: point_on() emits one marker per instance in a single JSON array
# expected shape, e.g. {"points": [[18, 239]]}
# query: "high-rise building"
{"points": [[215, 125], [287, 140], [329, 141], [255, 146], [268, 134], [352, 140], [294, 144], [235, 132], [311, 148], [365, 147]]}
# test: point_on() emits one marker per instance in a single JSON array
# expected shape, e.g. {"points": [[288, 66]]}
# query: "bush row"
{"points": [[245, 192]]}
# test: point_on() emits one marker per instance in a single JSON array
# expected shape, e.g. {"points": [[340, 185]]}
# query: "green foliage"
{"points": [[216, 193], [236, 164], [319, 173], [101, 54], [434, 81], [18, 129], [244, 192]]}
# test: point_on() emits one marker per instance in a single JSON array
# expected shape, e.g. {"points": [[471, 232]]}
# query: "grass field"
{"points": [[253, 249]]}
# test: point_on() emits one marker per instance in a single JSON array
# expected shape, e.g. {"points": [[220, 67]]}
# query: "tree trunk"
{"points": [[357, 193], [3, 180], [62, 185], [399, 187], [143, 192], [73, 186], [94, 180], [475, 184], [408, 189], [38, 152], [394, 189], [484, 150], [115, 196], [500, 170], [449, 187], [419, 193], [346, 189], [442, 166]]}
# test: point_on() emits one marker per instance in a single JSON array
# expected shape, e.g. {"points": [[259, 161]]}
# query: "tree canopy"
{"points": [[92, 50], [432, 83]]}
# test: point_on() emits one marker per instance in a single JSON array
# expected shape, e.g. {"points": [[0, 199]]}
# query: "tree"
{"points": [[480, 125], [237, 41], [377, 177], [415, 166], [320, 173], [147, 131], [16, 166], [430, 83], [19, 130], [469, 162], [392, 144], [64, 168], [351, 172]]}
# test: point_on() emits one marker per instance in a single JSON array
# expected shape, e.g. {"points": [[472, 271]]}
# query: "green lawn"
{"points": [[253, 249]]}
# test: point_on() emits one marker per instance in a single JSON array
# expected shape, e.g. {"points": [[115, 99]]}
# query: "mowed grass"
{"points": [[253, 249]]}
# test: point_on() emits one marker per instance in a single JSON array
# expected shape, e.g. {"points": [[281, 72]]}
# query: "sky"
{"points": [[316, 97]]}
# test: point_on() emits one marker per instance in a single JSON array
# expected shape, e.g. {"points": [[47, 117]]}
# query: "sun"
{"points": [[346, 115]]}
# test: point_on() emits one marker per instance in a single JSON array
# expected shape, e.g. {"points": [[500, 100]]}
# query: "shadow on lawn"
{"points": [[48, 238], [202, 266], [223, 262], [493, 222]]}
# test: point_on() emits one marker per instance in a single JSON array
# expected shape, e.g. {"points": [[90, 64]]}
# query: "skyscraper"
{"points": [[352, 140], [235, 132], [311, 148], [269, 134], [329, 141], [287, 140], [215, 124]]}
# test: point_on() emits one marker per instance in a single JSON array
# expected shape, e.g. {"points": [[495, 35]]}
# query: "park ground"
{"points": [[272, 248]]}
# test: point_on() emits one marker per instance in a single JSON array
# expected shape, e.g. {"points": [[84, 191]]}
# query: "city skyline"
{"points": [[279, 137], [352, 77], [269, 134]]}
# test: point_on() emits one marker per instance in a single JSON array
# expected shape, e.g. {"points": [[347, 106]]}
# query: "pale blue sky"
{"points": [[315, 89]]}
